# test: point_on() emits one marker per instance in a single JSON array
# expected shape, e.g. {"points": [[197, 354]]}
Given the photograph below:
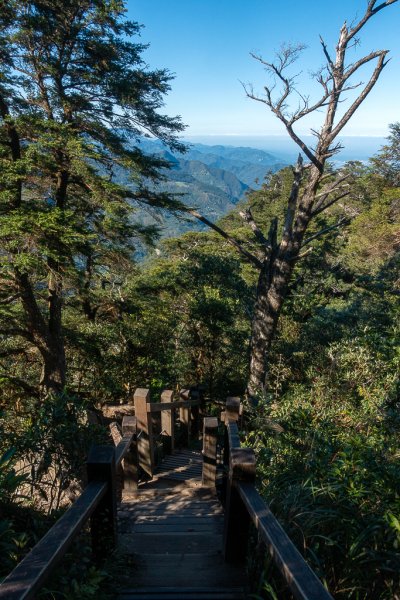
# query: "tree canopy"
{"points": [[75, 98]]}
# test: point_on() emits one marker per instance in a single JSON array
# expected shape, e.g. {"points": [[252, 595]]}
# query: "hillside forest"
{"points": [[94, 303]]}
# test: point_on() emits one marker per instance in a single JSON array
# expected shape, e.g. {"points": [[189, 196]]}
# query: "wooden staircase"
{"points": [[172, 532], [177, 540]]}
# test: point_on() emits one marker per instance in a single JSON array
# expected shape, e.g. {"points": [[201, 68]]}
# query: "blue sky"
{"points": [[206, 43]]}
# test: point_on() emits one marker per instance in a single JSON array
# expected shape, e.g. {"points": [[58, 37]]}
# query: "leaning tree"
{"points": [[75, 98], [313, 190]]}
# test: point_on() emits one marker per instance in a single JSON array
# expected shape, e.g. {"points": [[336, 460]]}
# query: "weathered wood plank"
{"points": [[178, 520], [162, 528], [168, 422], [123, 447], [232, 409], [145, 444], [161, 406], [189, 570], [233, 434], [210, 430], [183, 594], [167, 511], [130, 466], [152, 543]]}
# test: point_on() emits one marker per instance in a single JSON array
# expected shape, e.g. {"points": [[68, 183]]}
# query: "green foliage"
{"points": [[387, 162], [11, 543], [76, 579], [332, 475], [75, 99], [51, 439], [71, 175], [187, 320], [375, 233]]}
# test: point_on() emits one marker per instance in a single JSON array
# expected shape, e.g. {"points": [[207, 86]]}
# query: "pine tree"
{"points": [[75, 98]]}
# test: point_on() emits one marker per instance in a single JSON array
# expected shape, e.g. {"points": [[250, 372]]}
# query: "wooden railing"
{"points": [[97, 503], [108, 468], [243, 505], [189, 414]]}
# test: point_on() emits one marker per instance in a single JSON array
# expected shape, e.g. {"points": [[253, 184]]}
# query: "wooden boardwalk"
{"points": [[176, 541], [172, 533]]}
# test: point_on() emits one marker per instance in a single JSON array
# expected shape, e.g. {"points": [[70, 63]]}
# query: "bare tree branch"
{"points": [[250, 257], [351, 69], [292, 203], [323, 207], [248, 217], [372, 9], [303, 254], [374, 78], [315, 236]]}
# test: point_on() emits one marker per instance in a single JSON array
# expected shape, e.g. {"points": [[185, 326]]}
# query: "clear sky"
{"points": [[206, 44]]}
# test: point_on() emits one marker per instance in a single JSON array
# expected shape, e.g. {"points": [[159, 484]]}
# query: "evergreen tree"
{"points": [[75, 98], [387, 162]]}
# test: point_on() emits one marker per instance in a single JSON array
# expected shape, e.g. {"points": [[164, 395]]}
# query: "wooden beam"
{"points": [[130, 465], [195, 416], [145, 445], [161, 406], [184, 416], [242, 467], [232, 409], [168, 421], [233, 435], [210, 430], [101, 466]]}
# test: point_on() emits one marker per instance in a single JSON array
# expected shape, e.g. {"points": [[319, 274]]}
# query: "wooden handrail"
{"points": [[30, 574], [299, 576], [97, 502], [122, 448], [244, 503], [145, 411], [233, 435], [154, 407]]}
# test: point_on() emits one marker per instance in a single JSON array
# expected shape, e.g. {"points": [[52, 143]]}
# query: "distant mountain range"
{"points": [[212, 179]]}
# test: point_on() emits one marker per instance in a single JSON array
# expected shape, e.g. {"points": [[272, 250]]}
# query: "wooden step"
{"points": [[169, 593], [192, 570], [172, 538], [147, 543]]}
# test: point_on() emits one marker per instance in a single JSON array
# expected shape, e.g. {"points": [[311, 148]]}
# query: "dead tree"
{"points": [[310, 195]]}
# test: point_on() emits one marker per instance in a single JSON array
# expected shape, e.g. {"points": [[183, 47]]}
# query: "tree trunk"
{"points": [[272, 287], [46, 336], [52, 380]]}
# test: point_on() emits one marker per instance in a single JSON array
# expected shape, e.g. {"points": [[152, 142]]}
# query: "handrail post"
{"points": [[232, 412], [145, 427], [117, 437], [210, 429], [184, 417], [195, 425], [100, 466], [242, 467], [129, 425], [168, 422], [232, 409]]}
